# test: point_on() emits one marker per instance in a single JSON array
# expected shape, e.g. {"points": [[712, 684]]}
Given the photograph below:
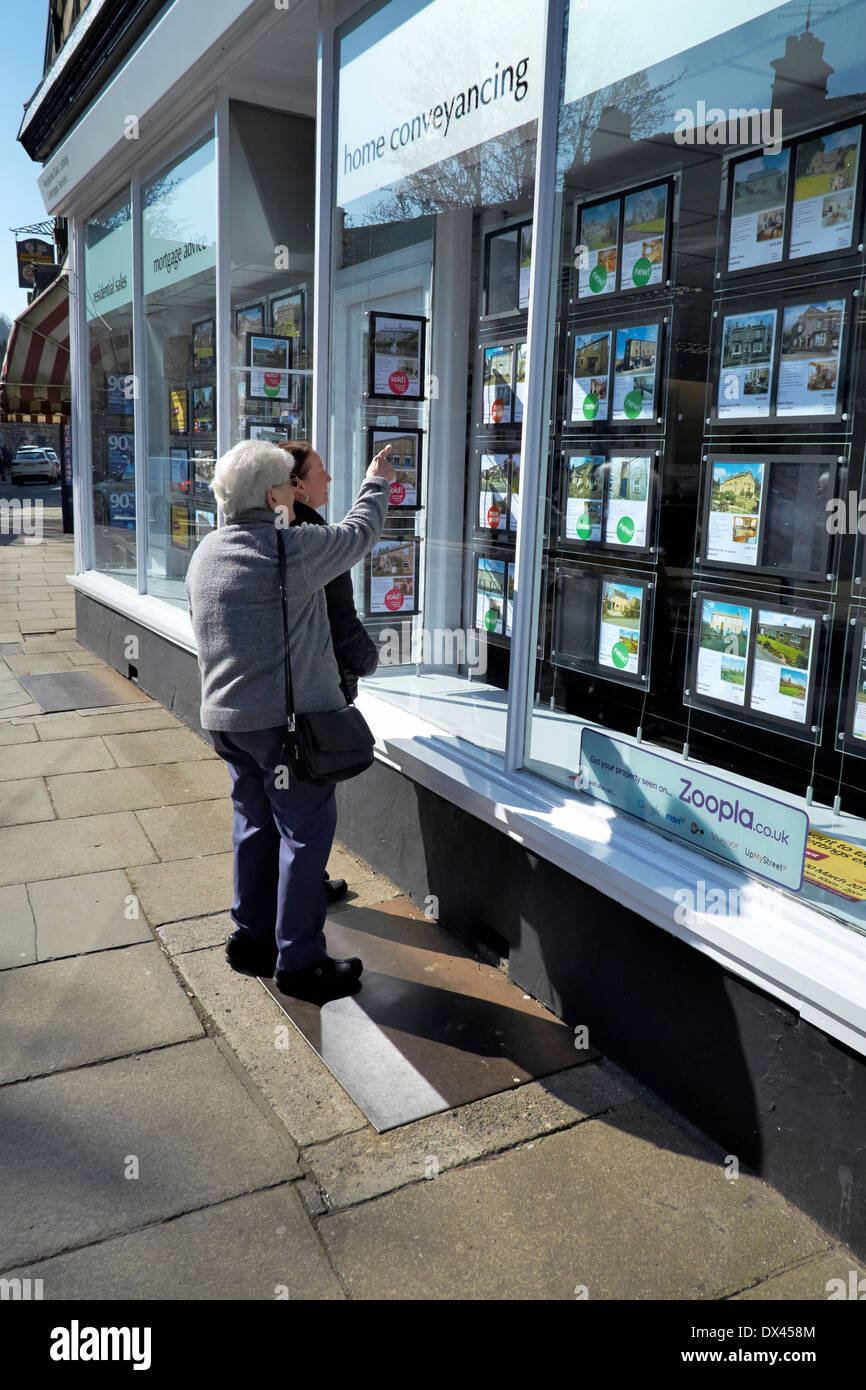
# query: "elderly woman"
{"points": [[356, 651], [282, 833]]}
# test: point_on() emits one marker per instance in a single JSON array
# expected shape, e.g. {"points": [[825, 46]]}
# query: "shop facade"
{"points": [[603, 298]]}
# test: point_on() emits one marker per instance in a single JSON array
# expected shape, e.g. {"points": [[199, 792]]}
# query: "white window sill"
{"points": [[808, 960], [145, 609]]}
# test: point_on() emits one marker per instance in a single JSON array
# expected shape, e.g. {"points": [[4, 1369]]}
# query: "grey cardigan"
{"points": [[233, 591]]}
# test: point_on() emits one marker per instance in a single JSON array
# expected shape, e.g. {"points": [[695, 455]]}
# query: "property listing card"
{"points": [[493, 496], [620, 626], [509, 606], [747, 357], [393, 576], [634, 379], [514, 496], [735, 512], [490, 594], [809, 364], [643, 237], [758, 210], [497, 390], [723, 650], [519, 382], [626, 515], [784, 648], [590, 371], [859, 727], [597, 238], [583, 507], [825, 192]]}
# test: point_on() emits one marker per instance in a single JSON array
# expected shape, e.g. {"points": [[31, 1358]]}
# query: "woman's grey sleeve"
{"points": [[330, 550]]}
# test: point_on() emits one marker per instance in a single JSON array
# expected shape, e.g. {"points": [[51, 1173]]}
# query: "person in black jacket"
{"points": [[357, 652]]}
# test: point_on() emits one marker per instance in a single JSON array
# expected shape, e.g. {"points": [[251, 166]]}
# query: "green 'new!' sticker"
{"points": [[619, 655], [625, 530], [641, 271], [584, 526], [590, 405], [633, 404], [597, 278], [491, 619]]}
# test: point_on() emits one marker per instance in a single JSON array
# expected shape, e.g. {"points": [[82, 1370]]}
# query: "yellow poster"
{"points": [[836, 866]]}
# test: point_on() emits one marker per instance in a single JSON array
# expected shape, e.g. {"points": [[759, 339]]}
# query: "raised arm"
{"points": [[327, 551]]}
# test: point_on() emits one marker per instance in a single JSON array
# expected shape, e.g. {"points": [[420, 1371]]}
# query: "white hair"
{"points": [[243, 476]]}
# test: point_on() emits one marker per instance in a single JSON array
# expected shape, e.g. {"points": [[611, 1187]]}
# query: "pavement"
{"points": [[165, 1135]]}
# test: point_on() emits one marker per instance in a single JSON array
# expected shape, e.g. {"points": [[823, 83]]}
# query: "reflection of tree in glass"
{"points": [[645, 108]]}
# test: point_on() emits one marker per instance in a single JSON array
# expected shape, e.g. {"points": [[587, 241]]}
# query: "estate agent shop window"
{"points": [[435, 175], [271, 245], [696, 595]]}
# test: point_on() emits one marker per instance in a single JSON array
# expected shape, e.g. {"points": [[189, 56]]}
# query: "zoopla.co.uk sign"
{"points": [[756, 832]]}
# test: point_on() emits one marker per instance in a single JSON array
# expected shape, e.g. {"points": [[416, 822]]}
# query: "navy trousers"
{"points": [[282, 837]]}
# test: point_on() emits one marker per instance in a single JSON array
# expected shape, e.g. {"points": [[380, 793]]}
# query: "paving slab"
{"points": [[136, 788], [160, 746], [355, 1167], [18, 934], [67, 1013], [295, 1081], [90, 912], [87, 724], [68, 1141], [627, 1207], [49, 759], [811, 1281], [18, 711], [38, 663], [188, 831], [196, 933], [257, 1247], [182, 888], [17, 733], [42, 645], [60, 849], [25, 801]]}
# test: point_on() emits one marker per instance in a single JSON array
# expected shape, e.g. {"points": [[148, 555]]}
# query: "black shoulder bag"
{"points": [[327, 747]]}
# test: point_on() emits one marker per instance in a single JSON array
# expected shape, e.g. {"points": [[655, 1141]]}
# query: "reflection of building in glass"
{"points": [[747, 342]]}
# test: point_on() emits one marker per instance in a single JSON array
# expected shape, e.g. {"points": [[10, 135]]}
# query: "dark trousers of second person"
{"points": [[282, 837]]}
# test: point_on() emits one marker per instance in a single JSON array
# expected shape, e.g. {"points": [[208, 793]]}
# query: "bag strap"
{"points": [[290, 693]]}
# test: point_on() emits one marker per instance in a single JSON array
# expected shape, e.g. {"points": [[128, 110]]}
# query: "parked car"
{"points": [[34, 463]]}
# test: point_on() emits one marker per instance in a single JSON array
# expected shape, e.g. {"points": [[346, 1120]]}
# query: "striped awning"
{"points": [[34, 382]]}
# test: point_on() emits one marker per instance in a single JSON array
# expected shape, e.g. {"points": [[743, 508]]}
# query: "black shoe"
{"points": [[251, 957], [331, 979], [335, 888]]}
